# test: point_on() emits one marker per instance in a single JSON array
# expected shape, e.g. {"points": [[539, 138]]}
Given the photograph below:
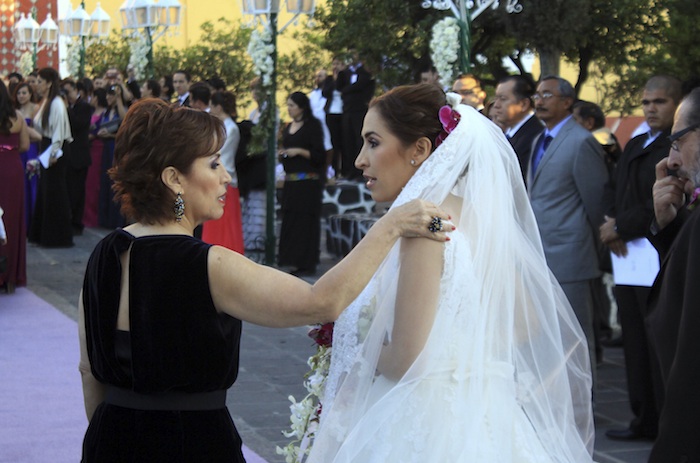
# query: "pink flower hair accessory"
{"points": [[449, 118]]}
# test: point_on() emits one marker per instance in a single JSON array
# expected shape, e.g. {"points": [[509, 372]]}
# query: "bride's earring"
{"points": [[413, 162]]}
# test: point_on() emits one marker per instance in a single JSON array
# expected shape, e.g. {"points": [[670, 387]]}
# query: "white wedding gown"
{"points": [[503, 376]]}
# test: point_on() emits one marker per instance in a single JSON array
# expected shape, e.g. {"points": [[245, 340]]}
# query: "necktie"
{"points": [[542, 147]]}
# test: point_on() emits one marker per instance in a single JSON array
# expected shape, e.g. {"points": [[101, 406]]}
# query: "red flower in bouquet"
{"points": [[322, 334]]}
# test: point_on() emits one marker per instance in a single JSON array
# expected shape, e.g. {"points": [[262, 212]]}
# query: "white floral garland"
{"points": [[444, 49], [73, 58], [26, 63], [260, 49], [139, 48], [305, 413]]}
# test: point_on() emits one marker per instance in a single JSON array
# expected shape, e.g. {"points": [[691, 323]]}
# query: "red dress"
{"points": [[228, 230], [12, 202]]}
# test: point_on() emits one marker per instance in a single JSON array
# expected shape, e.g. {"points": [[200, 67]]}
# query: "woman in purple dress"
{"points": [[24, 102], [13, 140]]}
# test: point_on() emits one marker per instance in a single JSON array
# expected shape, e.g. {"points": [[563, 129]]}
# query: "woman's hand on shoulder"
{"points": [[420, 219]]}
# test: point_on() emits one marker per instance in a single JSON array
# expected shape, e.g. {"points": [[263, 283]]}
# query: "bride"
{"points": [[466, 352]]}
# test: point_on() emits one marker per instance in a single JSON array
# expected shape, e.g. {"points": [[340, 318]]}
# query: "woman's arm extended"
{"points": [[268, 297]]}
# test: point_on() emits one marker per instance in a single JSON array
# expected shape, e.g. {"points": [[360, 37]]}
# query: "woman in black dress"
{"points": [[303, 157], [51, 223], [160, 311]]}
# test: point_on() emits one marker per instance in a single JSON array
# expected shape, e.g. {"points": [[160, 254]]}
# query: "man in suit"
{"points": [[514, 109], [78, 156], [674, 319], [566, 177], [629, 213], [181, 84], [357, 88]]}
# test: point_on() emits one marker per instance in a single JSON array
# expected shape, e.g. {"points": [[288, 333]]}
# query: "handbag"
{"points": [[111, 126]]}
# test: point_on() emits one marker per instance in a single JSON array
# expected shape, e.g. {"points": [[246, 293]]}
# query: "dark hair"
{"points": [[153, 136], [8, 113], [587, 109], [523, 87], [168, 89], [669, 84], [50, 75], [16, 75], [694, 99], [227, 101], [17, 89], [101, 95], [69, 82], [87, 86], [301, 100], [217, 83], [200, 92], [154, 87], [186, 74], [411, 111]]}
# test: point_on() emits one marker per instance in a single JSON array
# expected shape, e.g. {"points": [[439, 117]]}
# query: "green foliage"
{"points": [[296, 71], [101, 56]]}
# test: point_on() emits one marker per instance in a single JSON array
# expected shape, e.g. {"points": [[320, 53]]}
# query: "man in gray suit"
{"points": [[565, 178]]}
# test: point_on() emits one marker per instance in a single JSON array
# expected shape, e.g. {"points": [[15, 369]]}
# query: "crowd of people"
{"points": [[558, 188]]}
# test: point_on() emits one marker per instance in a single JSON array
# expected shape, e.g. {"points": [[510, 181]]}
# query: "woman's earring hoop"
{"points": [[179, 207]]}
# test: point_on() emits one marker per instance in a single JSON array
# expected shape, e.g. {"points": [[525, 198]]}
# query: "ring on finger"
{"points": [[435, 225]]}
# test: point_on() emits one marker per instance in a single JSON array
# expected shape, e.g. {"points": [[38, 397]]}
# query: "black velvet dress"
{"points": [[167, 377]]}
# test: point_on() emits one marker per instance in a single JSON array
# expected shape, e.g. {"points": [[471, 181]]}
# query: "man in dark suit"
{"points": [[674, 320], [629, 213], [565, 181], [78, 156], [357, 88], [181, 84], [514, 109]]}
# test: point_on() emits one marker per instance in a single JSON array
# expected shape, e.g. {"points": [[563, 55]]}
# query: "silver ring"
{"points": [[435, 225]]}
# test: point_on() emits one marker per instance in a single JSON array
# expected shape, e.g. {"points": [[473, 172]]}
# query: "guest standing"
{"points": [[79, 115], [51, 224], [108, 213], [92, 182], [303, 157], [228, 230], [13, 140], [24, 102]]}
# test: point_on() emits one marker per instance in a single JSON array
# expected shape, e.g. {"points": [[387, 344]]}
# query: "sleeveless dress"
{"points": [[30, 184], [167, 377], [12, 202]]}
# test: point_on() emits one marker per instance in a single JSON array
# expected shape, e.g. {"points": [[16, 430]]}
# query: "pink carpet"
{"points": [[42, 417]]}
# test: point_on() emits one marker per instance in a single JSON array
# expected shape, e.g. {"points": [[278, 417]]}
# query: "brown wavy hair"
{"points": [[154, 136], [411, 111]]}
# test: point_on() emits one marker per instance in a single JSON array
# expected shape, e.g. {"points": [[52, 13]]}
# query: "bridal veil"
{"points": [[504, 375]]}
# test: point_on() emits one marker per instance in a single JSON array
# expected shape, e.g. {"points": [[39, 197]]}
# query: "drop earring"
{"points": [[179, 207]]}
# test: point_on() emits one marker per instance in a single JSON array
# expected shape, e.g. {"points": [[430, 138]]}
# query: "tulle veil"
{"points": [[505, 341]]}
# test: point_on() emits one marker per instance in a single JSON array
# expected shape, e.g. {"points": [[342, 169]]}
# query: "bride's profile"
{"points": [[464, 352]]}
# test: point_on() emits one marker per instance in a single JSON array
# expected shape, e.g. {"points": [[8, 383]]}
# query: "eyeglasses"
{"points": [[674, 138], [543, 96]]}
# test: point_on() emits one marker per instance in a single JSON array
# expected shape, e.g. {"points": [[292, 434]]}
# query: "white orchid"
{"points": [[445, 49], [26, 63], [73, 58], [260, 49]]}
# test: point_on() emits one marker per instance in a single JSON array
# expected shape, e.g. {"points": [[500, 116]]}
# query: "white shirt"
{"points": [[228, 150], [318, 103], [513, 130]]}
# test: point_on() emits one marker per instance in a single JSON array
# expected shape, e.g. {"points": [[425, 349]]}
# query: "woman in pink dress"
{"points": [[92, 183], [14, 139]]}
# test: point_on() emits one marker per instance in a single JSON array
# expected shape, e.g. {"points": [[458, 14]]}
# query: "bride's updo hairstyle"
{"points": [[153, 136], [411, 111]]}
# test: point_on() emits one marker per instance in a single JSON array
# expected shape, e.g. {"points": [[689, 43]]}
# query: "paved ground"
{"points": [[273, 362]]}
